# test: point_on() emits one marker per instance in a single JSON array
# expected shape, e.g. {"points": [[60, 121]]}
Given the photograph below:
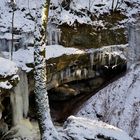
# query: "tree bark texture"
{"points": [[47, 129]]}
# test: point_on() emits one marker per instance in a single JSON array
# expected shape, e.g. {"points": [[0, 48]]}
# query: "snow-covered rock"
{"points": [[118, 104], [7, 67], [26, 56], [77, 128], [8, 71]]}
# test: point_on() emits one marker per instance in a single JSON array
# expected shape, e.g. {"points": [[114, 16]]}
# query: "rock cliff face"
{"points": [[118, 104]]}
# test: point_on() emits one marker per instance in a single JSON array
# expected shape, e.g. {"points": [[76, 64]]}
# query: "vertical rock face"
{"points": [[134, 42], [19, 98]]}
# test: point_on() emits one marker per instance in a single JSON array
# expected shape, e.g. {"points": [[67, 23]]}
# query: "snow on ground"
{"points": [[75, 128], [118, 104], [78, 128], [25, 56]]}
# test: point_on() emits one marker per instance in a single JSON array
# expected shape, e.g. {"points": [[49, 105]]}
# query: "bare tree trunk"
{"points": [[116, 6], [13, 5], [12, 45], [47, 129], [112, 5]]}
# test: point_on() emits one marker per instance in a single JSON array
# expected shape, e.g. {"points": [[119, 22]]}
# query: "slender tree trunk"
{"points": [[13, 5], [113, 1], [116, 6], [12, 45], [47, 129]]}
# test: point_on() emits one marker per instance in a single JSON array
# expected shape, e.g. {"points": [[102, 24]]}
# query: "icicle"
{"points": [[54, 34], [51, 37], [103, 58], [62, 75], [59, 35], [109, 56], [56, 37], [100, 56], [91, 59], [116, 61], [4, 44], [85, 72], [0, 44], [10, 48], [73, 74], [25, 92], [78, 73], [68, 74]]}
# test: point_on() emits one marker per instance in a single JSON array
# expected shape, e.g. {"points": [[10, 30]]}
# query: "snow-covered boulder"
{"points": [[78, 128], [118, 104]]}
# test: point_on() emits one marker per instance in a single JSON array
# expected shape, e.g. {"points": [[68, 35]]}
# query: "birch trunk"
{"points": [[47, 129]]}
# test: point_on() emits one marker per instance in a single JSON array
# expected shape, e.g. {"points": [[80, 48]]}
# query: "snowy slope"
{"points": [[75, 128], [118, 104], [78, 128], [26, 10], [129, 8]]}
